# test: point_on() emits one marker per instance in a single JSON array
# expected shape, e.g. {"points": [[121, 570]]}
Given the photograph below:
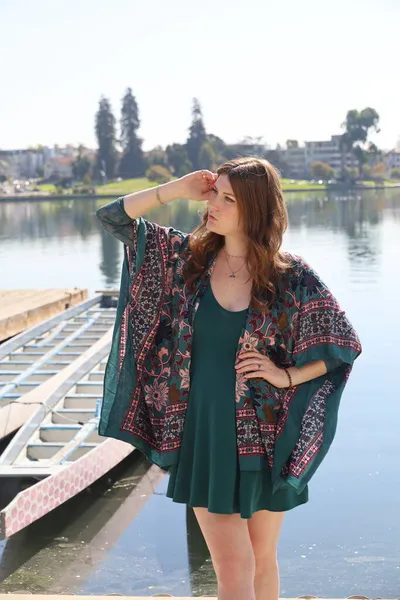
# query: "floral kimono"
{"points": [[147, 378]]}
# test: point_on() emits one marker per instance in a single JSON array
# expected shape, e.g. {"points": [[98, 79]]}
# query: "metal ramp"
{"points": [[58, 448], [32, 358]]}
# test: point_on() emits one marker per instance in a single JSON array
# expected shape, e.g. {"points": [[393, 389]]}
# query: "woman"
{"points": [[228, 361]]}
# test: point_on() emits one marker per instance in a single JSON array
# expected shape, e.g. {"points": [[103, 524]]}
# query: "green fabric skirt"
{"points": [[207, 473]]}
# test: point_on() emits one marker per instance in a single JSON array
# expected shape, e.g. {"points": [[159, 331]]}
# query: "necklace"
{"points": [[233, 273], [231, 255]]}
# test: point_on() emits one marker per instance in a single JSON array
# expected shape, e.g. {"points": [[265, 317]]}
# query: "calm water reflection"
{"points": [[346, 540]]}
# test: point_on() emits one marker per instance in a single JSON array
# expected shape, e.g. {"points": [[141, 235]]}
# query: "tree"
{"points": [[197, 135], [207, 157], [157, 156], [178, 160], [86, 179], [132, 161], [350, 174], [379, 171], [345, 146], [218, 146], [158, 173], [362, 158], [81, 165], [106, 159], [357, 127], [374, 154], [367, 172], [321, 170], [5, 170], [395, 174]]}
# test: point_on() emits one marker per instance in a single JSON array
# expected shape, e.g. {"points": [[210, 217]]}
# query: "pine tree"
{"points": [[81, 165], [106, 160], [132, 161], [197, 136], [178, 160]]}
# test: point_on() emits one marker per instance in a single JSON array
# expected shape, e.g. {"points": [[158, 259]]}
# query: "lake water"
{"points": [[346, 540]]}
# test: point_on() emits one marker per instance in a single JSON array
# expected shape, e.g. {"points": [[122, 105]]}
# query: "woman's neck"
{"points": [[235, 246]]}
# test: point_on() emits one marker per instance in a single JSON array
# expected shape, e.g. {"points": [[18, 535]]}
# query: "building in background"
{"points": [[59, 167], [392, 159], [23, 164], [295, 157], [300, 158], [330, 153], [42, 161]]}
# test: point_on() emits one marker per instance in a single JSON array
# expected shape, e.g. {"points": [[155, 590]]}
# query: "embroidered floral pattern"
{"points": [[184, 375], [156, 394], [304, 318], [241, 386], [248, 342]]}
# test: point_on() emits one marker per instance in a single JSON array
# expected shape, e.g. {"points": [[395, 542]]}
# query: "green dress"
{"points": [[207, 473]]}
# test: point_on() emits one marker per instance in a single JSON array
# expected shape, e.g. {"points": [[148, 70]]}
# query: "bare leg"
{"points": [[264, 529], [228, 540]]}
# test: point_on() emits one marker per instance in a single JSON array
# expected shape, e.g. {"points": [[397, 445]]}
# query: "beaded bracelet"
{"points": [[289, 377], [158, 196]]}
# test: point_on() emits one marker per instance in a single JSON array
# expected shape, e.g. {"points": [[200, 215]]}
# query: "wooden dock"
{"points": [[21, 309], [28, 596]]}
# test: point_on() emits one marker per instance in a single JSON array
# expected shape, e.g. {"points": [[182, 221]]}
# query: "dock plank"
{"points": [[27, 596], [22, 309]]}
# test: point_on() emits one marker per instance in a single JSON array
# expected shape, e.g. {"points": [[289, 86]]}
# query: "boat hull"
{"points": [[44, 496]]}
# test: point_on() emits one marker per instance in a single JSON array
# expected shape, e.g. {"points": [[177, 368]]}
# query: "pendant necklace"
{"points": [[233, 272]]}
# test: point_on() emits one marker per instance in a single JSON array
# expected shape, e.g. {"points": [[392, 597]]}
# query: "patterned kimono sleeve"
{"points": [[321, 329], [151, 254], [116, 221]]}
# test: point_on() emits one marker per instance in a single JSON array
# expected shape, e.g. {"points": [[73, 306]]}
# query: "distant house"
{"points": [[296, 159], [300, 158], [58, 167], [329, 152], [392, 159], [22, 163]]}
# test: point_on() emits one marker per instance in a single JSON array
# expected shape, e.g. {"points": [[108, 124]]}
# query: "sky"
{"points": [[287, 69]]}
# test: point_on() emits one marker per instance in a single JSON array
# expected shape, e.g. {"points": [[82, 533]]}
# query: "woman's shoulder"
{"points": [[296, 265], [299, 273], [302, 278]]}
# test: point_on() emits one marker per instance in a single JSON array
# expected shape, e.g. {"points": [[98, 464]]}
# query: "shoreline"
{"points": [[50, 197]]}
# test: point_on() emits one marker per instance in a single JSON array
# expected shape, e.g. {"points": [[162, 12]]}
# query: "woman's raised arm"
{"points": [[117, 217]]}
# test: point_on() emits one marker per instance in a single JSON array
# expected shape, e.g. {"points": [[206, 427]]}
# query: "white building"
{"points": [[330, 153], [300, 158], [392, 159], [22, 164], [295, 157]]}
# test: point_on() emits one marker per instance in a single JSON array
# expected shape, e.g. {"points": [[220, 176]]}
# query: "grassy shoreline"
{"points": [[134, 185], [121, 188]]}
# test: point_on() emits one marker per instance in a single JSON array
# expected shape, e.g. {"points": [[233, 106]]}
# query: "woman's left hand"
{"points": [[255, 364]]}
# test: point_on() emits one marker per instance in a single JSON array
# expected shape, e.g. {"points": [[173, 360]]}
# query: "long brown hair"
{"points": [[262, 209]]}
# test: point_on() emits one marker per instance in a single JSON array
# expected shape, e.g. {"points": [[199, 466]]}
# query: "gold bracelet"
{"points": [[289, 377], [158, 195]]}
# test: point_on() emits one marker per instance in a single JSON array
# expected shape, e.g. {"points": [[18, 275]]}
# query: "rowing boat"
{"points": [[35, 356], [58, 452]]}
